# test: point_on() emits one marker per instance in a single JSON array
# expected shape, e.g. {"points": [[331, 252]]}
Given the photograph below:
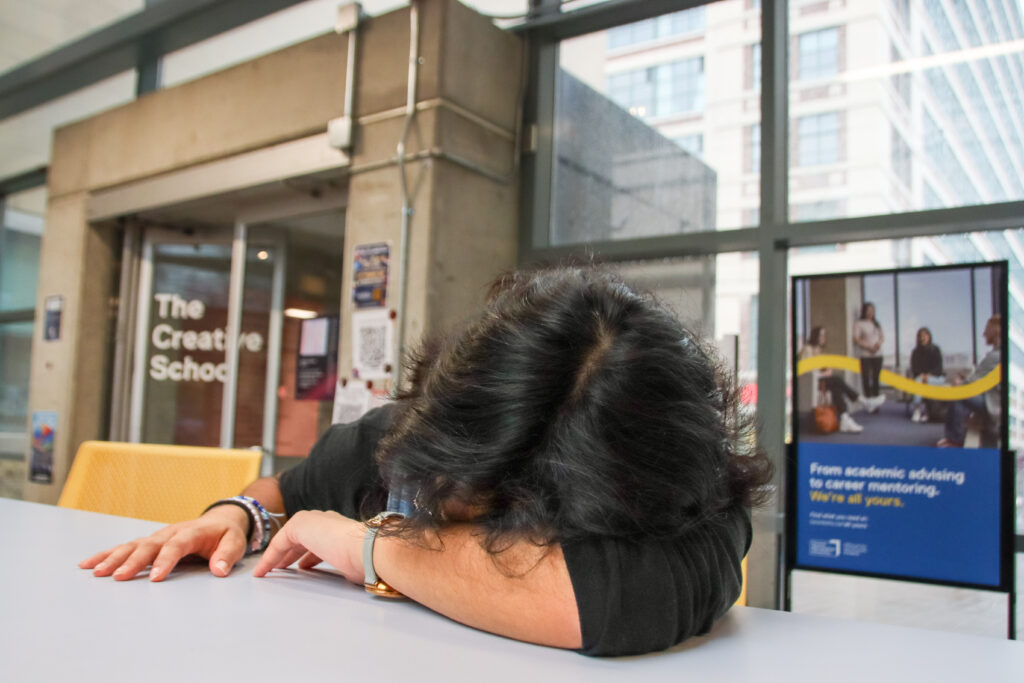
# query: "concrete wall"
{"points": [[281, 96], [461, 173]]}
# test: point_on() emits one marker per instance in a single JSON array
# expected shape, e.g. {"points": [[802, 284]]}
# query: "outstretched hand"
{"points": [[314, 536], [219, 536]]}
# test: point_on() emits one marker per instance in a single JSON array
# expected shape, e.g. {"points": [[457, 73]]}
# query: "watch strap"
{"points": [[373, 583], [369, 575]]}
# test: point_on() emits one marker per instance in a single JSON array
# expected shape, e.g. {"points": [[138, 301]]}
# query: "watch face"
{"points": [[383, 518]]}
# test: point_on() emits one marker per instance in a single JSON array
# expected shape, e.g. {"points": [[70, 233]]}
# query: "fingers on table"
{"points": [[140, 558], [93, 560], [123, 561], [229, 551], [308, 561], [278, 557], [104, 563], [170, 553]]}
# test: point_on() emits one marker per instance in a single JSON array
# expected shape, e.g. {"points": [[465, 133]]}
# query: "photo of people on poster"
{"points": [[905, 339]]}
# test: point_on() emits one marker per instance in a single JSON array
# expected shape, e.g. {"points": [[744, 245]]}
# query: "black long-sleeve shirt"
{"points": [[926, 360]]}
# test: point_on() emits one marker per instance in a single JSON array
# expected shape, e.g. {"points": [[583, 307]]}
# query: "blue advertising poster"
{"points": [[370, 274], [899, 461], [44, 430]]}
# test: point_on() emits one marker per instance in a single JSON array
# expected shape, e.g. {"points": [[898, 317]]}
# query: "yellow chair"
{"points": [[155, 482], [742, 600]]}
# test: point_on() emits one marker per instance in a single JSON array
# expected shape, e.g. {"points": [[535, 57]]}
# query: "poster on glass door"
{"points": [[899, 459], [316, 365]]}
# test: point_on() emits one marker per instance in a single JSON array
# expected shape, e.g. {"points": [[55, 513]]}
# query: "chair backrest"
{"points": [[742, 600], [155, 482]]}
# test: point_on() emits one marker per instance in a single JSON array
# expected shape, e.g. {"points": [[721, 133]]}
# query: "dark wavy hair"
{"points": [[814, 338], [573, 406], [917, 337], [864, 313]]}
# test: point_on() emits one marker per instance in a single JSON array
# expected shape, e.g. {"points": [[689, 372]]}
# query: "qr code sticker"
{"points": [[371, 346]]}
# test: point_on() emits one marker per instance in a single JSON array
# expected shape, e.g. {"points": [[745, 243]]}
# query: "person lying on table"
{"points": [[581, 477]]}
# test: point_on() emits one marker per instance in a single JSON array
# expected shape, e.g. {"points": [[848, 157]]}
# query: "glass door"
{"points": [[207, 339], [231, 347]]}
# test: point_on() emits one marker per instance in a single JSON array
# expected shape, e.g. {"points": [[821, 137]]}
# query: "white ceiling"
{"points": [[30, 28]]}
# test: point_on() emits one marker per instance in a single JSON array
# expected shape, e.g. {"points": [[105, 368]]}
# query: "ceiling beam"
{"points": [[150, 33]]}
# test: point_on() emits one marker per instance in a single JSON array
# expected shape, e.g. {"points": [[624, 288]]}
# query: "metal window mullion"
{"points": [[235, 298], [769, 589], [145, 291], [3, 229], [126, 333], [19, 315], [961, 219], [554, 26], [666, 246], [547, 56], [274, 330]]}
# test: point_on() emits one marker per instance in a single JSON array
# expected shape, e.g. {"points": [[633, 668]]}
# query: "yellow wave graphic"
{"points": [[905, 384]]}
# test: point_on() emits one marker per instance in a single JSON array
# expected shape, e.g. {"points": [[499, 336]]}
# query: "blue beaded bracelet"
{"points": [[258, 533]]}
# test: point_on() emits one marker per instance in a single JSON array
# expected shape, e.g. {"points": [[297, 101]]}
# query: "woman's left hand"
{"points": [[312, 536]]}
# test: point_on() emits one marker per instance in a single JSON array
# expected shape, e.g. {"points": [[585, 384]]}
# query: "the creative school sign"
{"points": [[881, 497], [166, 337]]}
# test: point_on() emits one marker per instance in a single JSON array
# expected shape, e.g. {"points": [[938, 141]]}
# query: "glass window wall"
{"points": [[631, 104], [948, 86]]}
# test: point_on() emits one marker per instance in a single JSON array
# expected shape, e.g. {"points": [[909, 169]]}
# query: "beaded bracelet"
{"points": [[258, 534], [265, 528], [236, 503]]}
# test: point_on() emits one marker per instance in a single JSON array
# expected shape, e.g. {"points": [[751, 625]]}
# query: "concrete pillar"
{"points": [[70, 375], [461, 170]]}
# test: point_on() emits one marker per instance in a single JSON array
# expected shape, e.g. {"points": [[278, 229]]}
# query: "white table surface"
{"points": [[59, 623]]}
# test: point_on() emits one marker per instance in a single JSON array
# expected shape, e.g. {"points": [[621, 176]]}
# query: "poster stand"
{"points": [[920, 489]]}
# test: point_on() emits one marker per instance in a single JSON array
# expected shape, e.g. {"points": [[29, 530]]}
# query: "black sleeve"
{"points": [[937, 366], [339, 472], [916, 362], [638, 597]]}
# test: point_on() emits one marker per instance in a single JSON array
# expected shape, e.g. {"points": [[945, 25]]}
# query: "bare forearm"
{"points": [[267, 490], [524, 593]]}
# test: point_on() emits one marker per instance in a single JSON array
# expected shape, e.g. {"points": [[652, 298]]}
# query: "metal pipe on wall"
{"points": [[410, 113]]}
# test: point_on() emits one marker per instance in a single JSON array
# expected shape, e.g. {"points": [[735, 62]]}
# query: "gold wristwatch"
{"points": [[373, 583]]}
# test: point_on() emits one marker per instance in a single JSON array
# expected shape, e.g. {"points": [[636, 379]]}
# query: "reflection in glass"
{"points": [[715, 296], [643, 145]]}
